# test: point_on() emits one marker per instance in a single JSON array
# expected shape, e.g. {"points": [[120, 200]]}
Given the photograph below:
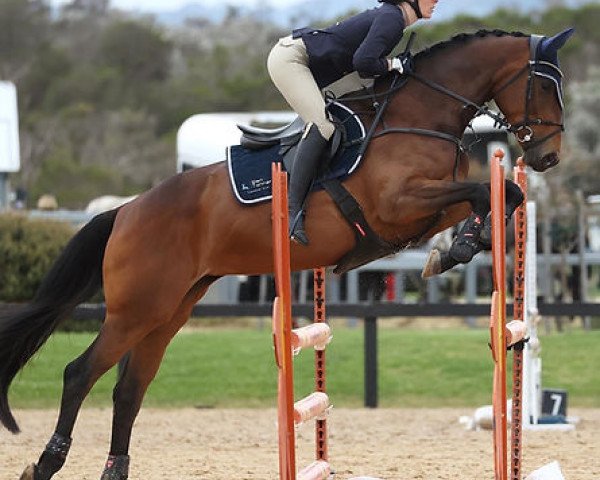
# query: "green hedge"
{"points": [[27, 250]]}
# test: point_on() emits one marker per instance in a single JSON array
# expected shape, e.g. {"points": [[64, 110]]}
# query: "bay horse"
{"points": [[156, 256]]}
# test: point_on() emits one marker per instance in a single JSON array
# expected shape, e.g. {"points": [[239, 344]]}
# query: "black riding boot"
{"points": [[307, 159]]}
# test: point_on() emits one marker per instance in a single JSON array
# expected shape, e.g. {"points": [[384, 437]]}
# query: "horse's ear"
{"points": [[551, 45]]}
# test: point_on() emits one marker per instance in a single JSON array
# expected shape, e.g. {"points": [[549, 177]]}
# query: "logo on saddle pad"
{"points": [[250, 168]]}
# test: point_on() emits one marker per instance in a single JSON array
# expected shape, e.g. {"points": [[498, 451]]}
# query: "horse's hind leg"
{"points": [[142, 365], [113, 341]]}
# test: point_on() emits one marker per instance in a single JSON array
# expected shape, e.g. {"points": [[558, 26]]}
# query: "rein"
{"points": [[521, 130]]}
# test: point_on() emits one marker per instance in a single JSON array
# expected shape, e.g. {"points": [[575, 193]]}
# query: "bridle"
{"points": [[522, 130]]}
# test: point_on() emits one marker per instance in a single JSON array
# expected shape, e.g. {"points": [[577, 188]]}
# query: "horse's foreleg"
{"points": [[466, 243], [440, 196], [142, 365], [514, 198], [440, 262]]}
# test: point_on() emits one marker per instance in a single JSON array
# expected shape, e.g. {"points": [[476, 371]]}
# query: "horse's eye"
{"points": [[547, 85]]}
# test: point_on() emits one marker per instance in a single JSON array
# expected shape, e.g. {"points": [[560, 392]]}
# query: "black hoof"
{"points": [[117, 468]]}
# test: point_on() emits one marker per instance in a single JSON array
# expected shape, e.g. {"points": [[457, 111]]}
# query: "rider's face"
{"points": [[427, 7]]}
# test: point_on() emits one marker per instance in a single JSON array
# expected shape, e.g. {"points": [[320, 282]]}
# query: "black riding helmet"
{"points": [[413, 3]]}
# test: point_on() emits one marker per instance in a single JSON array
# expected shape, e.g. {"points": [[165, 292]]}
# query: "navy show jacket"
{"points": [[360, 43]]}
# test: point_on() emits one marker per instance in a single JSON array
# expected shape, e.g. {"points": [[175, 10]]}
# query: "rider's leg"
{"points": [[305, 167], [288, 67]]}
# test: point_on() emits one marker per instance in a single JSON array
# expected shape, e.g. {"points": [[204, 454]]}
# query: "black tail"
{"points": [[75, 277]]}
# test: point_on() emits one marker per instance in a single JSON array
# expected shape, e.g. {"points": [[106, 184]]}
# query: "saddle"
{"points": [[250, 162], [249, 166], [255, 138], [287, 138]]}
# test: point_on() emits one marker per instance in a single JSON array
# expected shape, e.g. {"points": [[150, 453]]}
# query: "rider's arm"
{"points": [[370, 59]]}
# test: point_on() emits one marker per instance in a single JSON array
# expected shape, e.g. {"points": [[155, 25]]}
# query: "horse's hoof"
{"points": [[29, 473], [433, 265]]}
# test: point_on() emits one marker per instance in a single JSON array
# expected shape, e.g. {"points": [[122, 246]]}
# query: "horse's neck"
{"points": [[469, 70]]}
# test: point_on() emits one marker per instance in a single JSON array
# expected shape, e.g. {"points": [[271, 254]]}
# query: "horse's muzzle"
{"points": [[541, 164]]}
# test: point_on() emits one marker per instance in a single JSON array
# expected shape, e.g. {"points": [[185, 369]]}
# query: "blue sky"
{"points": [[174, 4]]}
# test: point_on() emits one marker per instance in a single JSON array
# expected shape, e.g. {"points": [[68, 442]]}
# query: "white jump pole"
{"points": [[532, 361]]}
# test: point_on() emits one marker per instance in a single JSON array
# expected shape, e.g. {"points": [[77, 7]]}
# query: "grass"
{"points": [[234, 368]]}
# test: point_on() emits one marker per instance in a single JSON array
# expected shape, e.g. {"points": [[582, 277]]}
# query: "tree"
{"points": [[24, 26], [138, 51]]}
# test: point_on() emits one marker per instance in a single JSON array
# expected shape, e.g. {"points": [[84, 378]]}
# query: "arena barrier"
{"points": [[526, 365], [289, 342]]}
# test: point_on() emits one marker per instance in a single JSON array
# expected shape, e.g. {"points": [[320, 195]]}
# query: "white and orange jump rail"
{"points": [[290, 341], [511, 335]]}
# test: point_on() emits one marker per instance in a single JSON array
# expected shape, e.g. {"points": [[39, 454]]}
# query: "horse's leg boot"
{"points": [[466, 243], [117, 468], [307, 159], [51, 460]]}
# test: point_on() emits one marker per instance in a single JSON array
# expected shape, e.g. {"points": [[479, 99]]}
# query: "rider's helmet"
{"points": [[413, 3]]}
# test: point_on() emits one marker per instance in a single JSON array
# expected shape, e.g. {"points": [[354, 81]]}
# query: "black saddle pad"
{"points": [[250, 170]]}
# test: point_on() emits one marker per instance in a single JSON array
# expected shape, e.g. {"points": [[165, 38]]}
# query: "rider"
{"points": [[303, 64]]}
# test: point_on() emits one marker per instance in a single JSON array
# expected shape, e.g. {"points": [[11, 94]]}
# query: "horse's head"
{"points": [[531, 98]]}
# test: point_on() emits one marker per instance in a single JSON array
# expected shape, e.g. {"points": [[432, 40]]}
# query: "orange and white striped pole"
{"points": [[282, 326], [498, 315], [520, 178], [287, 342]]}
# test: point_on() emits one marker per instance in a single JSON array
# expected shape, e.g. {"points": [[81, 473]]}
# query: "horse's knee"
{"points": [[76, 378], [480, 200], [514, 197]]}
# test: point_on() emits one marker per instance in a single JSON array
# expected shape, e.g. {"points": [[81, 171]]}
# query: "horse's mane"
{"points": [[456, 40], [462, 38]]}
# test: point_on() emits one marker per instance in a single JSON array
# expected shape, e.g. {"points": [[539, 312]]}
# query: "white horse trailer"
{"points": [[202, 139]]}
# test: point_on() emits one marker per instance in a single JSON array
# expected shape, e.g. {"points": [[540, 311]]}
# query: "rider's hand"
{"points": [[402, 63]]}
